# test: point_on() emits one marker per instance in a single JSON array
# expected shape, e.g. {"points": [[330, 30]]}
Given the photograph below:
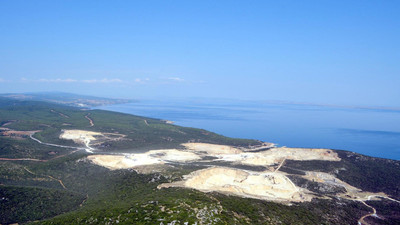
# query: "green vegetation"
{"points": [[21, 204]]}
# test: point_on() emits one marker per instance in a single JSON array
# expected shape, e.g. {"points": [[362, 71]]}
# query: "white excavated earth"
{"points": [[80, 136], [270, 184], [196, 151], [276, 155], [260, 185], [88, 137], [114, 162], [152, 157]]}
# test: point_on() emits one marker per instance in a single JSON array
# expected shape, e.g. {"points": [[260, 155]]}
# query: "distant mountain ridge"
{"points": [[66, 98]]}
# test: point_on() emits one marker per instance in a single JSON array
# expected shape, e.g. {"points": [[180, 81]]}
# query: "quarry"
{"points": [[229, 177], [259, 185], [80, 136], [128, 161], [89, 138]]}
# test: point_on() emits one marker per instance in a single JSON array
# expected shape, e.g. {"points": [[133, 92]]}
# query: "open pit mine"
{"points": [[225, 172]]}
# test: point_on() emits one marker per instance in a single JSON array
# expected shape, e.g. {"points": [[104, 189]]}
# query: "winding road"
{"points": [[54, 145], [88, 149], [90, 120], [361, 220]]}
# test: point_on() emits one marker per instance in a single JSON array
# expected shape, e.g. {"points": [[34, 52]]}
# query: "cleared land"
{"points": [[265, 185], [270, 184], [153, 157], [89, 138]]}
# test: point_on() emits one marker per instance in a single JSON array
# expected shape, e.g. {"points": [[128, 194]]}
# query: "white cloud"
{"points": [[45, 80], [104, 80], [2, 80], [178, 79], [141, 80], [58, 80]]}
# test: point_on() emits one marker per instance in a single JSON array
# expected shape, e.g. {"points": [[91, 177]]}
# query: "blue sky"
{"points": [[329, 52]]}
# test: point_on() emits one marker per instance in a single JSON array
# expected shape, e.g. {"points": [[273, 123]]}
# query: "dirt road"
{"points": [[59, 181], [90, 120], [361, 220], [280, 165], [22, 159]]}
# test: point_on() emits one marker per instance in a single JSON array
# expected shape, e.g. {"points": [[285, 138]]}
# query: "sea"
{"points": [[366, 130]]}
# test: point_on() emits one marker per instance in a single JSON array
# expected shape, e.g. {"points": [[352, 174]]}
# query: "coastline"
{"points": [[292, 126]]}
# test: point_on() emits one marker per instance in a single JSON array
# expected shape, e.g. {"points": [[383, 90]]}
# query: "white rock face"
{"points": [[153, 157], [271, 184], [276, 155], [264, 185], [114, 162], [80, 136]]}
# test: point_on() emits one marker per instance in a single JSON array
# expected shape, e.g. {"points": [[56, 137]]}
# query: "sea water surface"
{"points": [[370, 131]]}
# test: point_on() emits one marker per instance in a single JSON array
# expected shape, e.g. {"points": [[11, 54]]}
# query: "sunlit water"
{"points": [[374, 132]]}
